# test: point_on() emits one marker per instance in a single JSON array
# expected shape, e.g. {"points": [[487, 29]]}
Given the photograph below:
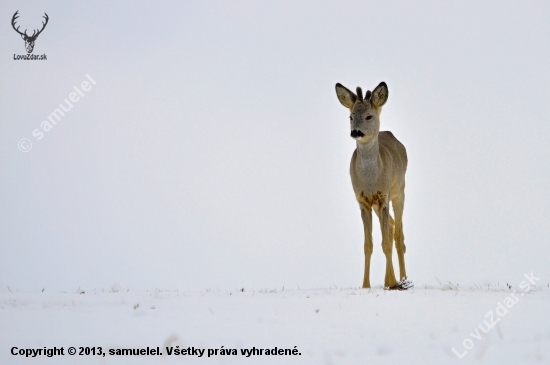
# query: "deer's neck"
{"points": [[369, 163]]}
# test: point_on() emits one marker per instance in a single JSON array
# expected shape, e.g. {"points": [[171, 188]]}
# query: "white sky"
{"points": [[213, 151]]}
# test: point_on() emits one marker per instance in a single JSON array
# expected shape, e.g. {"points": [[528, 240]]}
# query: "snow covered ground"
{"points": [[326, 326]]}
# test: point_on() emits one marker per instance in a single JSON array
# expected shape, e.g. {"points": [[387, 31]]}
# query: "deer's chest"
{"points": [[368, 181]]}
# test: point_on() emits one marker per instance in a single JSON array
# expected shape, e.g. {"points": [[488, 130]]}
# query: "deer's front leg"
{"points": [[387, 244], [366, 215]]}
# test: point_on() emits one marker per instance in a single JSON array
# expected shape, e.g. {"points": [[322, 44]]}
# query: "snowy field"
{"points": [[326, 326]]}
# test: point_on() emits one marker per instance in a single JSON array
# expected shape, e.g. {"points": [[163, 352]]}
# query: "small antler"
{"points": [[359, 94], [15, 16], [368, 95]]}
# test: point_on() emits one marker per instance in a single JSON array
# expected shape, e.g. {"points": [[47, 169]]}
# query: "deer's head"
{"points": [[364, 112], [29, 40]]}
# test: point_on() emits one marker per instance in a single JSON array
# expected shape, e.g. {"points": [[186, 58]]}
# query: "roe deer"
{"points": [[377, 170]]}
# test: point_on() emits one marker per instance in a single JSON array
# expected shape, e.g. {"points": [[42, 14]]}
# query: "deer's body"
{"points": [[372, 164], [377, 170]]}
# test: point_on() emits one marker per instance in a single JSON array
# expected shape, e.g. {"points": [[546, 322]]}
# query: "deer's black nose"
{"points": [[357, 134]]}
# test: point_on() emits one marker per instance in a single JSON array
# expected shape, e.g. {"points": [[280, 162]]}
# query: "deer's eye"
{"points": [[369, 117], [350, 118]]}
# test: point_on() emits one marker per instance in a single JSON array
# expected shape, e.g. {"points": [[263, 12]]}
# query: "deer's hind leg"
{"points": [[383, 212], [398, 205]]}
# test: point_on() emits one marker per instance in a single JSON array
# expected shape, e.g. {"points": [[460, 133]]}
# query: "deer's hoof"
{"points": [[403, 284]]}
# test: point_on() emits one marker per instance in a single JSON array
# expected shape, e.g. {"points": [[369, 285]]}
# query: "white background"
{"points": [[213, 151]]}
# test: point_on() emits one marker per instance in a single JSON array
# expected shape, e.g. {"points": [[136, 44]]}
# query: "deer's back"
{"points": [[394, 154], [393, 147]]}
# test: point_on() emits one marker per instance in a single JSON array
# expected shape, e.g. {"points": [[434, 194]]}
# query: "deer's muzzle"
{"points": [[357, 134]]}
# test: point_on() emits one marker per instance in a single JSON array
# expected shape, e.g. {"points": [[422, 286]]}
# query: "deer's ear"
{"points": [[22, 36], [346, 97], [380, 95]]}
